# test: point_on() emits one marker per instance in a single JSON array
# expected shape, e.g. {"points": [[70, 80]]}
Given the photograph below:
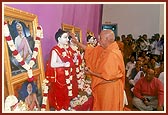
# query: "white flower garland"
{"points": [[79, 100], [10, 101], [68, 81], [27, 66], [45, 94]]}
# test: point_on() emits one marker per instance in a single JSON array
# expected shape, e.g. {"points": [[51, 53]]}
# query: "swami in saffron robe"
{"points": [[108, 93]]}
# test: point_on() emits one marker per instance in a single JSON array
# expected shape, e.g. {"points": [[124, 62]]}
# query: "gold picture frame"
{"points": [[13, 81], [67, 27], [73, 29], [78, 33]]}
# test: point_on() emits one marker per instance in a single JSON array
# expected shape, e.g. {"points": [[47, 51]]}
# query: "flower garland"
{"points": [[15, 53], [10, 101], [66, 54], [45, 94], [68, 81]]}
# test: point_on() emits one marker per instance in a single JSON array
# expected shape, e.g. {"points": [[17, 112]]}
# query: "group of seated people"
{"points": [[145, 74]]}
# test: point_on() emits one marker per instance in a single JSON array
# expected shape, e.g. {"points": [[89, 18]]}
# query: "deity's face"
{"points": [[91, 40], [63, 40], [29, 88], [95, 41]]}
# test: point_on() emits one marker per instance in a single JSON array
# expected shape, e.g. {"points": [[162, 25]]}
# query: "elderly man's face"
{"points": [[102, 40], [106, 38], [19, 31]]}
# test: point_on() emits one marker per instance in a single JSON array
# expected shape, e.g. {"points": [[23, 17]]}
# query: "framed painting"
{"points": [[26, 91], [78, 33], [21, 24], [22, 34], [67, 27]]}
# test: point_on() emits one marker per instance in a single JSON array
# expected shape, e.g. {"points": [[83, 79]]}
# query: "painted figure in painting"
{"points": [[22, 45], [28, 94], [31, 99]]}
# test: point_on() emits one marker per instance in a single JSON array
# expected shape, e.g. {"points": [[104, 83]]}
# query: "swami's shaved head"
{"points": [[108, 34], [106, 38]]}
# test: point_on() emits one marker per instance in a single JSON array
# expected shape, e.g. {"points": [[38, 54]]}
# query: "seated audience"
{"points": [[148, 93]]}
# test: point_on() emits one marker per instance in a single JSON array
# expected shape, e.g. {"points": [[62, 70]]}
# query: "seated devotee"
{"points": [[147, 59], [135, 70], [148, 93], [157, 46], [140, 74], [157, 71], [144, 43], [153, 62], [161, 75], [61, 73], [130, 65]]}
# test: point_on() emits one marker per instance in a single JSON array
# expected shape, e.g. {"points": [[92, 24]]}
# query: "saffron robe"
{"points": [[109, 93]]}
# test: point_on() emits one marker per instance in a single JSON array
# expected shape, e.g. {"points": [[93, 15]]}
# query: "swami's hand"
{"points": [[88, 71], [73, 39]]}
